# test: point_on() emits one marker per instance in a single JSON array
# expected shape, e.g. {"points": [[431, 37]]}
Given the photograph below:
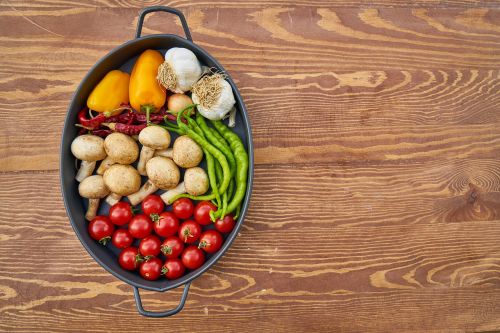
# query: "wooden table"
{"points": [[376, 204]]}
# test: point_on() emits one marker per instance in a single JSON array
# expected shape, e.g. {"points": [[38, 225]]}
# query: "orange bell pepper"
{"points": [[146, 94], [110, 92]]}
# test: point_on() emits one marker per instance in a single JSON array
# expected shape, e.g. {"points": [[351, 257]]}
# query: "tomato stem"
{"points": [[139, 259], [187, 233], [105, 240], [166, 249], [203, 244]]}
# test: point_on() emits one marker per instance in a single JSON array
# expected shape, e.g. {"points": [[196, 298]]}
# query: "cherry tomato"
{"points": [[150, 246], [211, 241], [225, 225], [140, 226], [189, 231], [151, 269], [183, 208], [101, 229], [121, 213], [129, 258], [192, 257], [202, 212], [152, 204], [122, 238], [173, 269], [166, 224], [172, 247]]}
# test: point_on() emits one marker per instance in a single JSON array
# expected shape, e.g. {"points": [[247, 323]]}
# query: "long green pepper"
{"points": [[212, 165], [217, 142], [241, 157]]}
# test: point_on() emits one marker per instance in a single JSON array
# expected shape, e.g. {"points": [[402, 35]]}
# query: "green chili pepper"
{"points": [[207, 197], [241, 157], [212, 176], [211, 163], [238, 211], [230, 189], [219, 144], [219, 137], [226, 196], [218, 173], [224, 204]]}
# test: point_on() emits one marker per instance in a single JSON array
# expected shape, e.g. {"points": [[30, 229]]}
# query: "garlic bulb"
{"points": [[213, 96], [180, 70]]}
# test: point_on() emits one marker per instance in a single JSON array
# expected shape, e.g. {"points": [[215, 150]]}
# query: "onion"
{"points": [[178, 102]]}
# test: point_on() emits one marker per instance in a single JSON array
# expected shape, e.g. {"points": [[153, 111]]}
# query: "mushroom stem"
{"points": [[146, 189], [92, 210], [105, 164], [86, 169], [168, 195], [146, 154], [113, 198], [165, 152]]}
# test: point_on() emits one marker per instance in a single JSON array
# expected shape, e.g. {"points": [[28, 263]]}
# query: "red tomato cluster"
{"points": [[177, 235]]}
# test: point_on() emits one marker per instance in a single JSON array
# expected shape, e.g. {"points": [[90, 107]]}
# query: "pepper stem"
{"points": [[147, 109]]}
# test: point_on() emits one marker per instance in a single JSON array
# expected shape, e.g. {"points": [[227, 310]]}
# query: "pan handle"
{"points": [[170, 10], [164, 313]]}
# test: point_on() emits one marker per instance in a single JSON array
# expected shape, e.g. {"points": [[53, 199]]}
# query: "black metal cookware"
{"points": [[123, 57]]}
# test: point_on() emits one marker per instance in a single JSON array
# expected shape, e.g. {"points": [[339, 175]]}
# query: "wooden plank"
{"points": [[359, 277], [316, 40], [184, 5]]}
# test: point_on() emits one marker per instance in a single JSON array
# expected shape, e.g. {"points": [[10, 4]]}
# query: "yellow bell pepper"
{"points": [[146, 94], [110, 92]]}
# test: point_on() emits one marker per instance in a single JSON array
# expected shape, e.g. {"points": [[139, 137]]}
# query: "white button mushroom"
{"points": [[195, 183], [121, 180], [151, 138], [121, 149], [169, 152], [89, 149], [185, 152], [162, 173], [93, 188]]}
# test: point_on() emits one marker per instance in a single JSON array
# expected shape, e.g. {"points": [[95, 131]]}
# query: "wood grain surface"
{"points": [[376, 204]]}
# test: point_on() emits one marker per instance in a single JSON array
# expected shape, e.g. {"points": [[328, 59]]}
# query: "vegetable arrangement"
{"points": [[152, 130]]}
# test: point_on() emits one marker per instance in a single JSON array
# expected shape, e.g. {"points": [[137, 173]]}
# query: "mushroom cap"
{"points": [[93, 187], [196, 181], [163, 172], [186, 152], [121, 148], [155, 137], [122, 179], [88, 147]]}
